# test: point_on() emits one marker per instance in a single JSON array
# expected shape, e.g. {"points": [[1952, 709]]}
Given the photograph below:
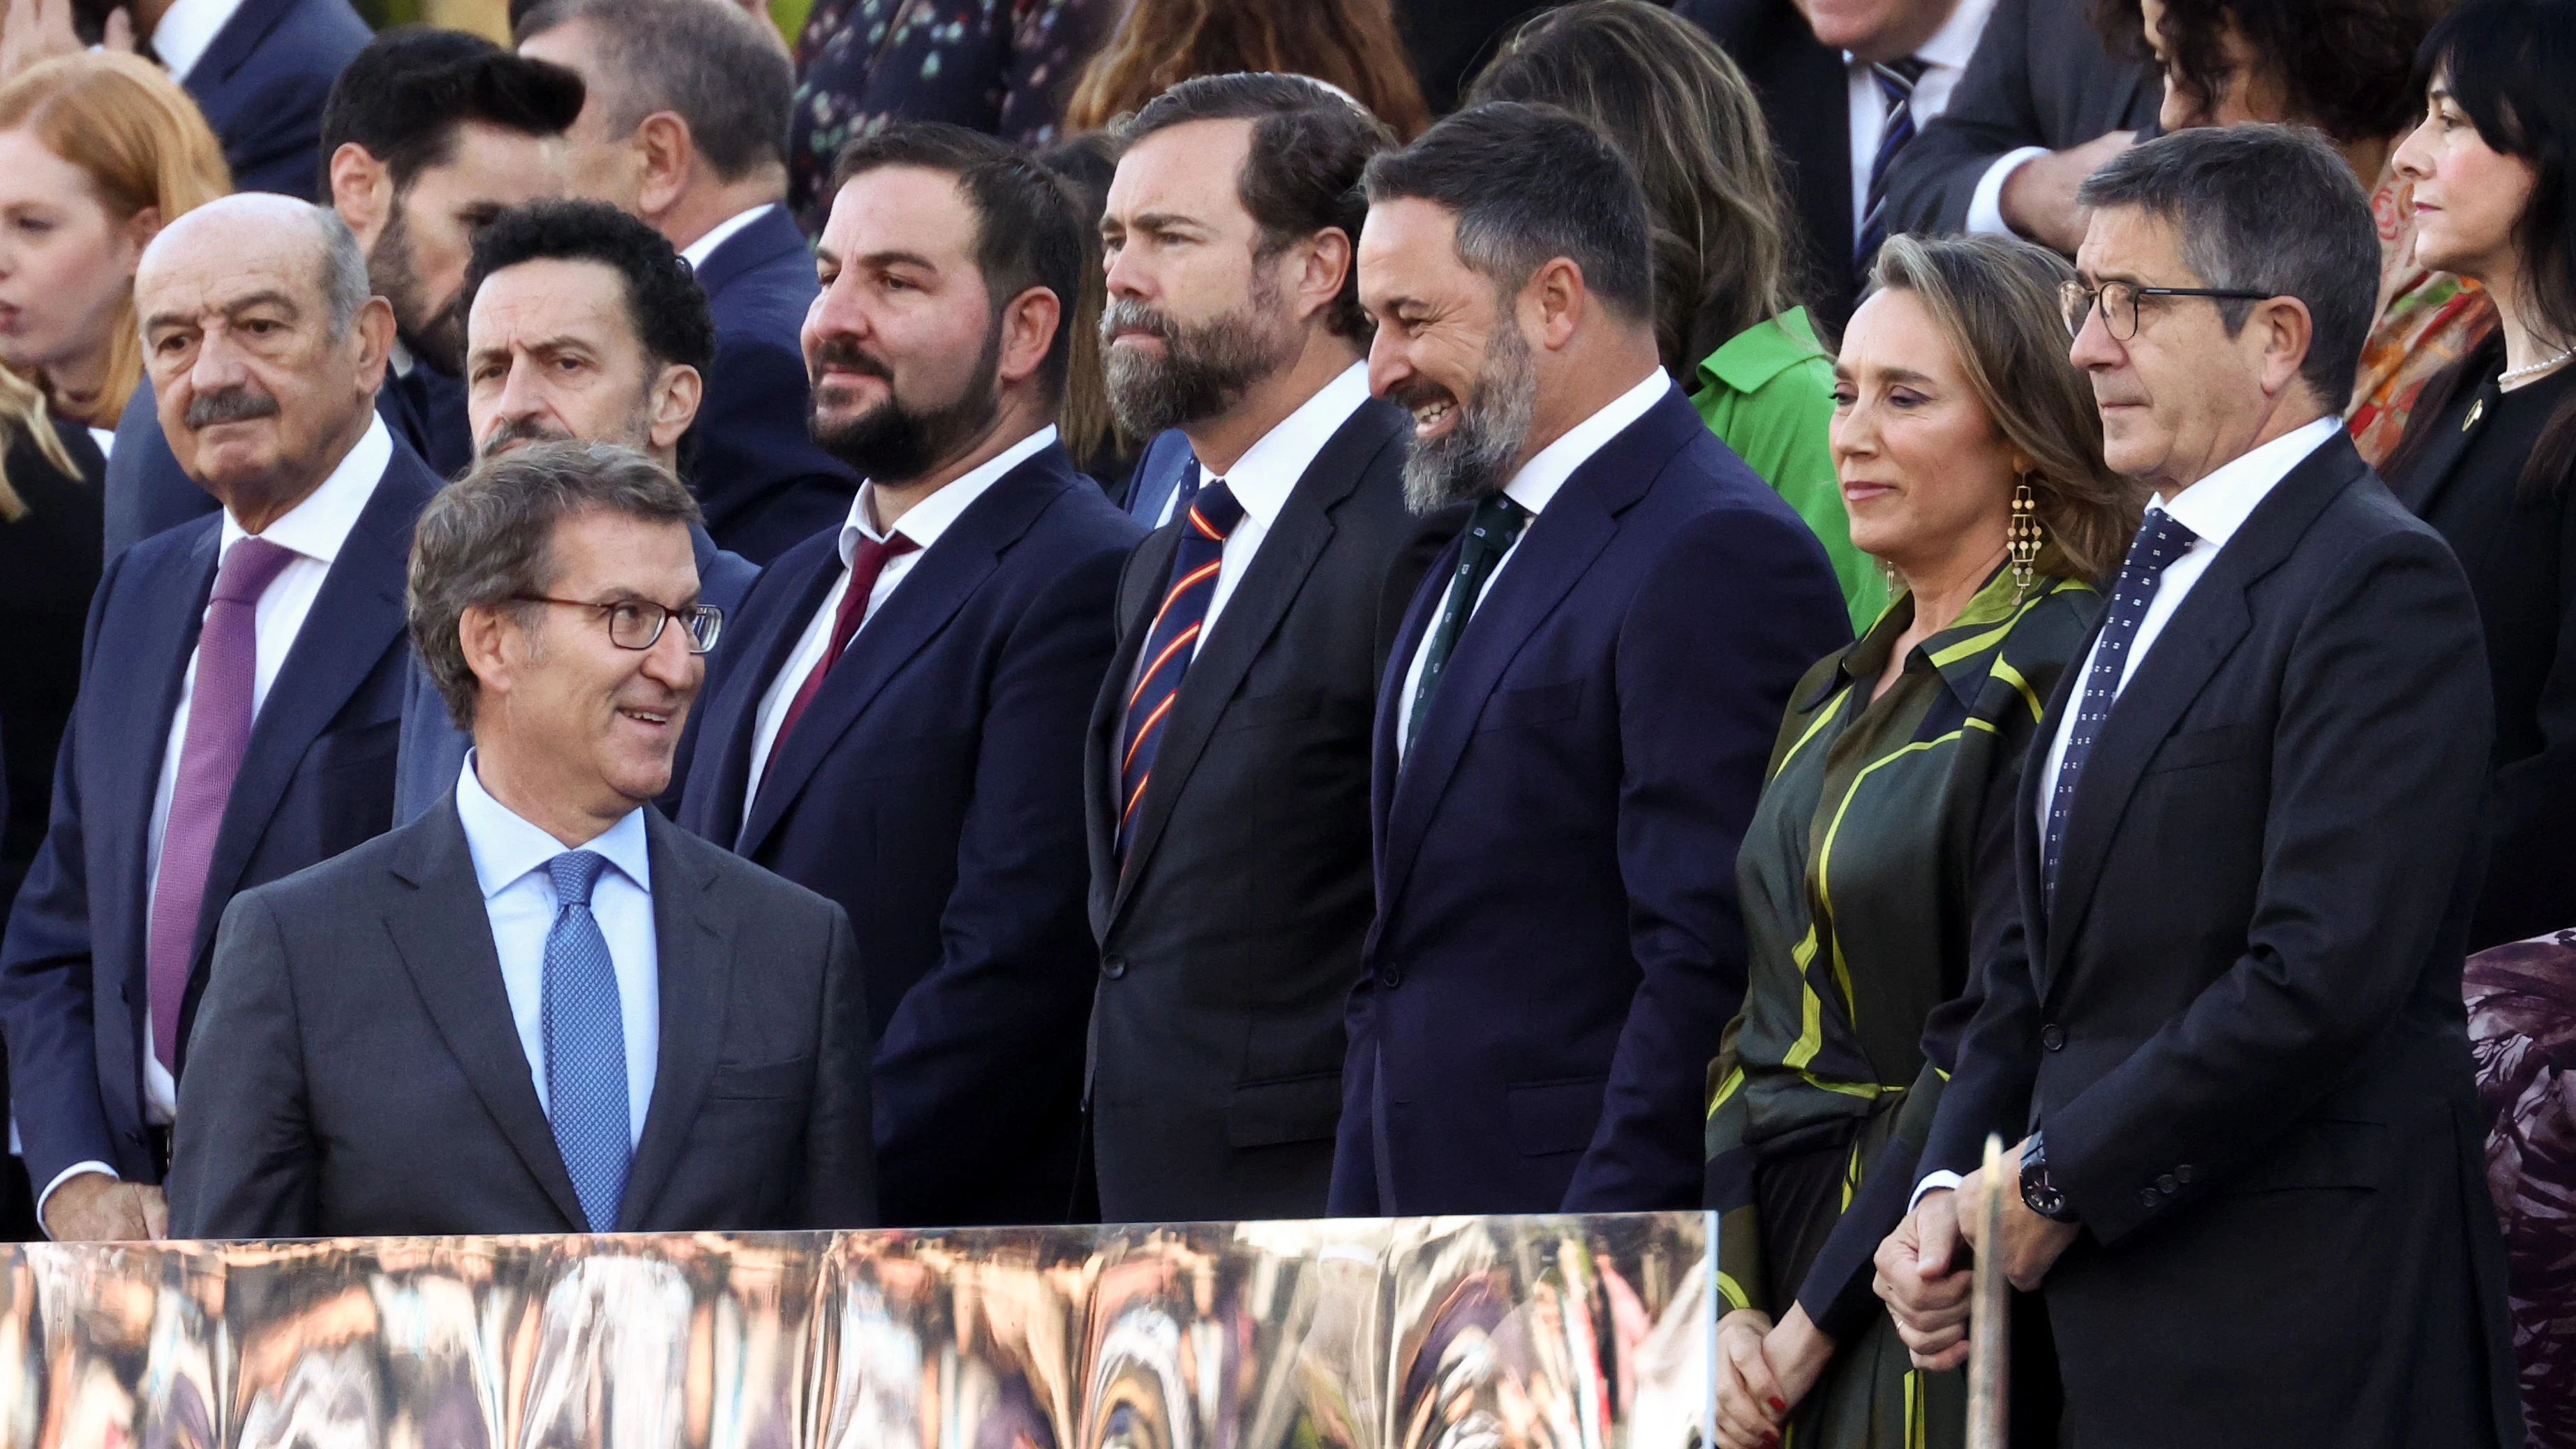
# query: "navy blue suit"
{"points": [[934, 788], [262, 84], [764, 484], [1159, 469], [433, 748], [318, 779], [1558, 943]]}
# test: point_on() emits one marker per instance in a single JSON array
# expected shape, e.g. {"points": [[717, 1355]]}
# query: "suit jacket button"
{"points": [[1390, 978], [2167, 1185], [2183, 1173], [2148, 1198], [1113, 966], [2052, 1036]]}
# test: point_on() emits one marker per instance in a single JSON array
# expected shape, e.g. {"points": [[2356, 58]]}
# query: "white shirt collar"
{"points": [[398, 357], [697, 252], [316, 527], [2218, 505], [505, 846], [1956, 41], [1267, 473], [187, 30], [1543, 474], [926, 520]]}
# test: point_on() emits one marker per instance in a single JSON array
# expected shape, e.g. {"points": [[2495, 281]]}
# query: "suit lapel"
{"points": [[734, 715], [157, 655], [444, 937], [695, 968], [770, 237], [2429, 476], [1148, 569], [237, 41]]}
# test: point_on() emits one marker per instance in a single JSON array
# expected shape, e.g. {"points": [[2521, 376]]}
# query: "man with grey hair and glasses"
{"points": [[600, 1022], [241, 689], [2226, 1041]]}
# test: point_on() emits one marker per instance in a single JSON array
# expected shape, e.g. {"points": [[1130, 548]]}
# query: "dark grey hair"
{"points": [[487, 540], [2270, 209], [711, 65], [345, 287], [1530, 183]]}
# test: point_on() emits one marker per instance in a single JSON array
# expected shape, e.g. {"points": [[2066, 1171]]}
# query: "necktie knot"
{"points": [[574, 873], [249, 567], [871, 554], [1496, 524], [2161, 540], [1897, 78], [1215, 512]]}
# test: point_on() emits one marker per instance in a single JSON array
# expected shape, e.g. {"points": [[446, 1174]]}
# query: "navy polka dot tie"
{"points": [[2160, 541], [585, 1035]]}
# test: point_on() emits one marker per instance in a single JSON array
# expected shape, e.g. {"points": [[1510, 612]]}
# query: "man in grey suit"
{"points": [[595, 1021]]}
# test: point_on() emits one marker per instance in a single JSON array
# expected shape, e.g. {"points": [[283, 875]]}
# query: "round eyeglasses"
{"points": [[637, 623]]}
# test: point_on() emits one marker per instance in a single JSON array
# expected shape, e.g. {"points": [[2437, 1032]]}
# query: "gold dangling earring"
{"points": [[2022, 539]]}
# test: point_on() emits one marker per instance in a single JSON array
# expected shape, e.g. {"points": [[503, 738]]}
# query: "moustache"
{"points": [[521, 430], [1126, 314], [232, 405], [844, 355]]}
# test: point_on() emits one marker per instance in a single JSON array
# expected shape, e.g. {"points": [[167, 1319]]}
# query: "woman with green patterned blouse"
{"points": [[1877, 871]]}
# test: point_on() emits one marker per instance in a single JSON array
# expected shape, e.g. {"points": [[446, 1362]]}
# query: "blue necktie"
{"points": [[1896, 80], [585, 1033], [2160, 541], [1206, 516]]}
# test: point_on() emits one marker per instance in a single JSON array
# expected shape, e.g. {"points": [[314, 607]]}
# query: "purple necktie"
{"points": [[219, 717]]}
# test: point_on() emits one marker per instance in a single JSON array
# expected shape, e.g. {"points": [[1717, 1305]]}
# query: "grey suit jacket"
{"points": [[361, 1074]]}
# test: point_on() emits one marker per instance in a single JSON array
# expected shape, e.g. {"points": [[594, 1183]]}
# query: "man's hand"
{"points": [[96, 1208], [2038, 198], [1750, 1404], [2030, 1244], [38, 30], [1925, 1281]]}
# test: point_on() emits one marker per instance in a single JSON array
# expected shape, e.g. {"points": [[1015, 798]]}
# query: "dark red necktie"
{"points": [[867, 561]]}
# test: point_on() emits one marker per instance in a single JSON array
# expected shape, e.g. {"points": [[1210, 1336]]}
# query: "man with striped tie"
{"points": [[539, 1008]]}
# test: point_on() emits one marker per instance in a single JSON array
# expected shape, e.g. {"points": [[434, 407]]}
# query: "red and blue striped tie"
{"points": [[1170, 643]]}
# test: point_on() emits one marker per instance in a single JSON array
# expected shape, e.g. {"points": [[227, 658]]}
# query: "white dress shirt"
{"points": [[923, 523], [2214, 509], [1945, 58], [106, 440], [1532, 488], [1267, 473], [510, 857], [697, 252], [186, 30]]}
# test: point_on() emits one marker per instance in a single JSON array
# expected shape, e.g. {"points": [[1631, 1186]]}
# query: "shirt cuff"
{"points": [[1986, 203], [64, 1176], [1933, 1182]]}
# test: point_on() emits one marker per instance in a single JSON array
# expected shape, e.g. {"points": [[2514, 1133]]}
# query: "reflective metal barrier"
{"points": [[1410, 1333]]}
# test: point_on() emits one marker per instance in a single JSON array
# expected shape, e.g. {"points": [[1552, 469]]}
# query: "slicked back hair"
{"points": [[1029, 228], [713, 66], [1530, 183], [2270, 209], [1310, 146], [664, 302], [405, 95]]}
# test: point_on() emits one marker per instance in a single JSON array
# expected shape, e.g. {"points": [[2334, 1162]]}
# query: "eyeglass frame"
{"points": [[2068, 291], [607, 616]]}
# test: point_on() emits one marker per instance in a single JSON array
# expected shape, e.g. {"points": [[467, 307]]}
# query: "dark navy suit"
{"points": [[1158, 473], [934, 788], [1558, 943], [318, 779], [262, 84], [764, 484], [433, 748]]}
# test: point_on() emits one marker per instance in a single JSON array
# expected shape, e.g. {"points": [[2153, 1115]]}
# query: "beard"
{"points": [[1467, 462], [897, 441], [1202, 370], [435, 335]]}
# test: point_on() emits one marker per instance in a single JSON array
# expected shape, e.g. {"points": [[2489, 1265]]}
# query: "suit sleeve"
{"points": [[1353, 1191], [986, 1035], [244, 1163], [275, 141], [1931, 181], [1733, 614], [2377, 769], [840, 1137]]}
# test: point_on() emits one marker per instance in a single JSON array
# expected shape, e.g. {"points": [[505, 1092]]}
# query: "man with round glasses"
{"points": [[604, 1023]]}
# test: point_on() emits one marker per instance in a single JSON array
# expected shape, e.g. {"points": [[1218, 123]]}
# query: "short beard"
{"points": [[1203, 370], [895, 442], [434, 335], [1467, 463]]}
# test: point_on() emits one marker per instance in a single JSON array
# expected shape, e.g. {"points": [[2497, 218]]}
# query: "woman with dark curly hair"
{"points": [[2346, 67]]}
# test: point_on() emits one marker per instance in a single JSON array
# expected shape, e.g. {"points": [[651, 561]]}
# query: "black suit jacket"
{"points": [[356, 1016], [2238, 1023], [262, 84], [1231, 941], [318, 778], [934, 789], [1806, 100], [2042, 76]]}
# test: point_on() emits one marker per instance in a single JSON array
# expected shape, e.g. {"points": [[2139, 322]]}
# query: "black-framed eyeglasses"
{"points": [[637, 623], [2118, 302]]}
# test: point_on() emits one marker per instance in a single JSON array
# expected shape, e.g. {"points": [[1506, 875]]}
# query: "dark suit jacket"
{"points": [[49, 567], [934, 789], [2239, 1023], [1157, 474], [262, 84], [318, 779], [433, 748], [356, 1015], [1231, 942], [2042, 77], [1558, 945], [1806, 100], [764, 484]]}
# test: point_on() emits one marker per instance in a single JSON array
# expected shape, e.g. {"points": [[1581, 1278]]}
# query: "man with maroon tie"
{"points": [[241, 689]]}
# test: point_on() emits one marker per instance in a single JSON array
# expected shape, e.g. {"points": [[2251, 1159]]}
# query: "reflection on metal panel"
{"points": [[1409, 1333]]}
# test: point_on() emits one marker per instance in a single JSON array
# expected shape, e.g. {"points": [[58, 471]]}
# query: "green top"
{"points": [[1769, 395], [1877, 868]]}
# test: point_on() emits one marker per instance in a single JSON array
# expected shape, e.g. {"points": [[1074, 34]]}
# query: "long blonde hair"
{"points": [[143, 144]]}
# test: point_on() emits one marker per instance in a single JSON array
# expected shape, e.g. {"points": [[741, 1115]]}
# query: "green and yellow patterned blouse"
{"points": [[1877, 870]]}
